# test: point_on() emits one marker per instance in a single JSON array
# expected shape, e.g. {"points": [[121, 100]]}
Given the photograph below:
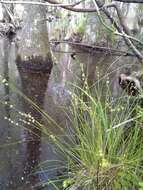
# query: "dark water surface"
{"points": [[27, 156]]}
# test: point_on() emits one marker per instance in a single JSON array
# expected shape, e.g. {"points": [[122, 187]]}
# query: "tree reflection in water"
{"points": [[34, 86]]}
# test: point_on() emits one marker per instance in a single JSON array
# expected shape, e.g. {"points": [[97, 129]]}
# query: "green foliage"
{"points": [[81, 24], [102, 154], [104, 150], [110, 36]]}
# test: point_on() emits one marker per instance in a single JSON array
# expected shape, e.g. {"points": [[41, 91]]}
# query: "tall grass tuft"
{"points": [[106, 149]]}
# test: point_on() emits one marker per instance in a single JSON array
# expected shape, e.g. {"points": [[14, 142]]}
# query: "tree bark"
{"points": [[33, 49], [34, 61]]}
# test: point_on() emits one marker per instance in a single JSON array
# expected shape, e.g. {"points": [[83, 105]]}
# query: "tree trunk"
{"points": [[33, 50], [34, 61]]}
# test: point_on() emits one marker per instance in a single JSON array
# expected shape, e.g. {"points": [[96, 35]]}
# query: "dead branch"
{"points": [[53, 3], [120, 30], [123, 24], [130, 1], [74, 9], [94, 49], [121, 19], [10, 15], [102, 6], [129, 37], [39, 3]]}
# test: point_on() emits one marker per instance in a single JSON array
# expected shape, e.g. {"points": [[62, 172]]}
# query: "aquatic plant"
{"points": [[105, 149]]}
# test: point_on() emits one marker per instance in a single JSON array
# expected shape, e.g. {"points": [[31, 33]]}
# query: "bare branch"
{"points": [[85, 10], [129, 37], [10, 15], [74, 9], [100, 6], [120, 30], [37, 3], [92, 49], [53, 4], [121, 19], [130, 1], [125, 35], [123, 24]]}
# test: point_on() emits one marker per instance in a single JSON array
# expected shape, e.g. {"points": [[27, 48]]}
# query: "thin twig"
{"points": [[10, 15], [74, 9], [37, 3], [119, 29], [129, 37], [130, 1]]}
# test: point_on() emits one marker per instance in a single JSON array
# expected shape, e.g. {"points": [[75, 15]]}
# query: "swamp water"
{"points": [[27, 156]]}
